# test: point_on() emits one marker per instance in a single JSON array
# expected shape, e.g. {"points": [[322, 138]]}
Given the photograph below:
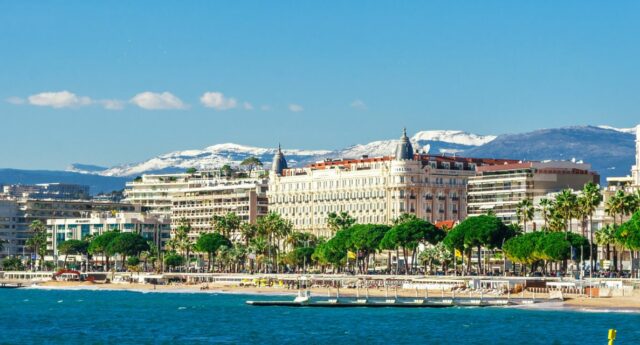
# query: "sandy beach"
{"points": [[626, 303]]}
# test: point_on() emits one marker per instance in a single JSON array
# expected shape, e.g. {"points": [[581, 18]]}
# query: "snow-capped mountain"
{"points": [[209, 158], [610, 150], [218, 155], [453, 137], [631, 130]]}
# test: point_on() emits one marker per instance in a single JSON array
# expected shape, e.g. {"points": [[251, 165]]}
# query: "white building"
{"points": [[199, 196], [372, 189], [499, 188], [154, 228]]}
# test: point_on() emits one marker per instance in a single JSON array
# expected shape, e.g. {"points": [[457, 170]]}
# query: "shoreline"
{"points": [[627, 304]]}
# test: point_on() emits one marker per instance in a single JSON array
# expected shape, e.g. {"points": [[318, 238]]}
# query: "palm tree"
{"points": [[38, 240], [181, 241], [227, 225], [525, 212], [339, 221], [545, 206], [566, 202], [591, 199], [259, 247]]}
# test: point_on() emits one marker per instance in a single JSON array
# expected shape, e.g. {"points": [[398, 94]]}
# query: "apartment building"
{"points": [[199, 196], [24, 211], [499, 188], [57, 191], [154, 228], [372, 189], [198, 204]]}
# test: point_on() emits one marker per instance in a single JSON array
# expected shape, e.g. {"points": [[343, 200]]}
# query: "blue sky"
{"points": [[148, 77]]}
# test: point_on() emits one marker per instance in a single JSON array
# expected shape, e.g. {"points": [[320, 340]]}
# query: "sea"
{"points": [[39, 316]]}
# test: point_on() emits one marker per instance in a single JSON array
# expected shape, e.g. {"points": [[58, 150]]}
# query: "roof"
{"points": [[445, 224]]}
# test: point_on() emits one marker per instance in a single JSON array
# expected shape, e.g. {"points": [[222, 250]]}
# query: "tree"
{"points": [[191, 171], [434, 255], [227, 225], [71, 247], [409, 235], [12, 264], [545, 207], [525, 212], [365, 240], [477, 232], [226, 170], [127, 244], [274, 229], [181, 239], [100, 245], [173, 260], [251, 163], [591, 199], [566, 203], [339, 221], [38, 240], [209, 243]]}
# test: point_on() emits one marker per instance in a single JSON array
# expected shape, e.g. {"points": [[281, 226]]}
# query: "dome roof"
{"points": [[279, 162], [404, 150]]}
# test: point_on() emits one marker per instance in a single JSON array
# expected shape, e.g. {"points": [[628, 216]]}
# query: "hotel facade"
{"points": [[372, 189], [198, 197], [499, 188]]}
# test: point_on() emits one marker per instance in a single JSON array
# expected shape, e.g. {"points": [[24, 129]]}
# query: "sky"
{"points": [[111, 82]]}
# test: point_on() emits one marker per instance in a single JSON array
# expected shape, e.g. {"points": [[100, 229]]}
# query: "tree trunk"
{"points": [[479, 261]]}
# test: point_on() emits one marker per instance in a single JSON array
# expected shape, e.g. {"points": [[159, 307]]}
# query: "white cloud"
{"points": [[15, 100], [247, 106], [112, 104], [358, 104], [295, 108], [61, 99], [218, 101], [157, 101], [265, 107]]}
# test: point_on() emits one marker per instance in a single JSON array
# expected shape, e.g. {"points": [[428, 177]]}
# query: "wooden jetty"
{"points": [[304, 299]]}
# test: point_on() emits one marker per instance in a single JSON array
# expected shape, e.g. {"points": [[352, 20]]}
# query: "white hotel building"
{"points": [[372, 189], [199, 196]]}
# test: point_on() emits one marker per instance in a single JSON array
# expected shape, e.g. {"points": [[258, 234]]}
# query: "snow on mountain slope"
{"points": [[211, 157], [229, 153], [453, 137], [631, 130]]}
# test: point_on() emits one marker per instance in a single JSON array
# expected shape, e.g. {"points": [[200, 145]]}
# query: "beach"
{"points": [[621, 303]]}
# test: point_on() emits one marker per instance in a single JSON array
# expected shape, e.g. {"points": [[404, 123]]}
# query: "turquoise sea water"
{"points": [[34, 316]]}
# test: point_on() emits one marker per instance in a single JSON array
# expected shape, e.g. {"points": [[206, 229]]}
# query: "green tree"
{"points": [[191, 171], [181, 239], [566, 202], [38, 240], [275, 230], [72, 247], [545, 207], [209, 243], [12, 264], [409, 234], [227, 225], [251, 163], [127, 244], [339, 221], [226, 170], [173, 260], [100, 245], [365, 240], [525, 212], [591, 199], [478, 232]]}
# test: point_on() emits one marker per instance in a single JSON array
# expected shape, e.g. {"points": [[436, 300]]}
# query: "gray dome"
{"points": [[404, 150], [279, 162]]}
